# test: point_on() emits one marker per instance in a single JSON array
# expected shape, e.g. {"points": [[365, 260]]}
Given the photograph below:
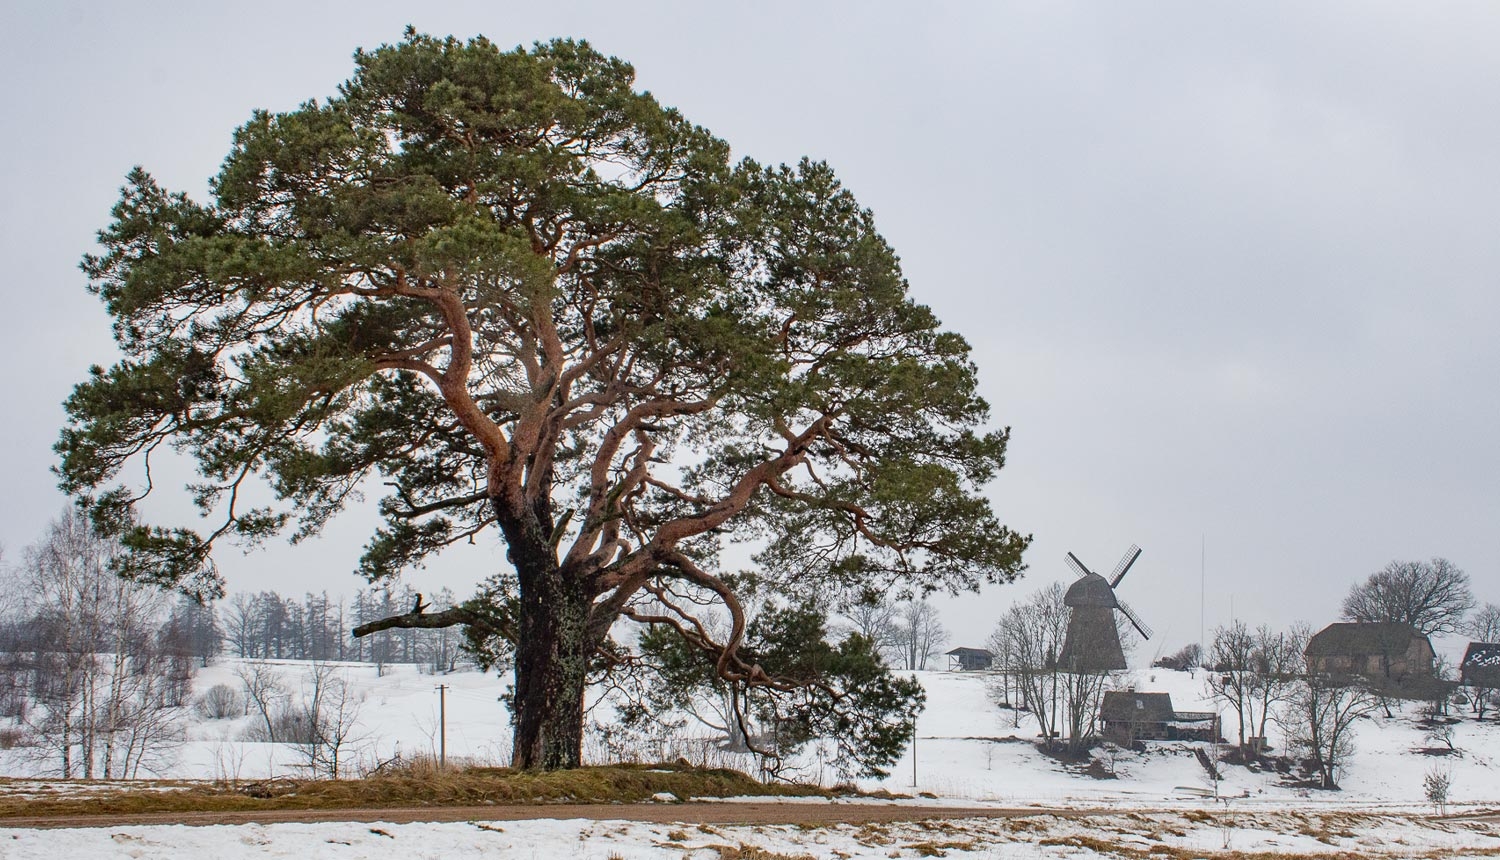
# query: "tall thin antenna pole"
{"points": [[1202, 591]]}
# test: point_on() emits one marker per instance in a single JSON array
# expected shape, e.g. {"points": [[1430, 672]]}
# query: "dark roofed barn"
{"points": [[969, 660], [1481, 666], [1392, 656], [1128, 716]]}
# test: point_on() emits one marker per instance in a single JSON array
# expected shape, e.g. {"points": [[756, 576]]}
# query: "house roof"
{"points": [[1482, 654], [971, 652], [1128, 706], [1362, 638], [1481, 665]]}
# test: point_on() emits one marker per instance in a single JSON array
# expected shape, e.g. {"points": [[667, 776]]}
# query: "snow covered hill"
{"points": [[967, 748]]}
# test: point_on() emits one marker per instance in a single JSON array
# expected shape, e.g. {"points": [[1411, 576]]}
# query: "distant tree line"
{"points": [[269, 626], [253, 626]]}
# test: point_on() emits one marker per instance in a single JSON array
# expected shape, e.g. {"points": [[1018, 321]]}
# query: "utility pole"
{"points": [[914, 745], [442, 726]]}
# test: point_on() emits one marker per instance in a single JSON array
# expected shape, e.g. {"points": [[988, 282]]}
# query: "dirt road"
{"points": [[661, 813]]}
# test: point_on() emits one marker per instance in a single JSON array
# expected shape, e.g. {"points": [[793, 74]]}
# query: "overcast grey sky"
{"points": [[1229, 269]]}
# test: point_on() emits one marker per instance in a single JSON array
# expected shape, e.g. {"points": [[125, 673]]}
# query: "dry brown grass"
{"points": [[938, 849], [418, 785], [752, 852], [1167, 852]]}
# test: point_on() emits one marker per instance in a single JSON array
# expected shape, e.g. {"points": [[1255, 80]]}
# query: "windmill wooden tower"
{"points": [[1093, 643]]}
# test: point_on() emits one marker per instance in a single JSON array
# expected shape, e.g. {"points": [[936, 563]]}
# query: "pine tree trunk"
{"points": [[552, 652], [551, 671]]}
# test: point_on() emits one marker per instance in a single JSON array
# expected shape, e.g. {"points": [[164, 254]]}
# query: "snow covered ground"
{"points": [[967, 748], [399, 715], [957, 756], [1133, 835], [968, 751]]}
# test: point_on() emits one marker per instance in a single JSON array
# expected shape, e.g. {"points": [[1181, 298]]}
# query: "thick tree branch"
{"points": [[453, 617]]}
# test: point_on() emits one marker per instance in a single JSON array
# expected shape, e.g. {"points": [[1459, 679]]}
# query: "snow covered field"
{"points": [[1167, 835], [399, 715], [967, 748], [968, 752], [956, 758]]}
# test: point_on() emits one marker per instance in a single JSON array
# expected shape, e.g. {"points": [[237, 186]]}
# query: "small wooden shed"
{"points": [[970, 660], [1128, 716]]}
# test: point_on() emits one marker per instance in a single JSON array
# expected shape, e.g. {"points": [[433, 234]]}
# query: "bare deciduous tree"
{"points": [[1030, 636], [1232, 676], [1278, 664], [265, 694], [875, 618], [1484, 626], [1251, 672], [1319, 719], [1028, 640], [919, 634], [328, 716], [239, 623], [1432, 596], [1186, 658], [108, 695], [1442, 733], [319, 724]]}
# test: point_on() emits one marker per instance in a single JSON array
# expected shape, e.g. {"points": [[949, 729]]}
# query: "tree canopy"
{"points": [[1431, 596], [505, 289]]}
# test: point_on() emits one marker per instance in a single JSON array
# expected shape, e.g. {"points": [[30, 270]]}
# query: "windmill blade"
{"points": [[1140, 625], [1077, 566], [1124, 566]]}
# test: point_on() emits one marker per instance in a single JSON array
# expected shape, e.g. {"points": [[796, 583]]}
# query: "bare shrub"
{"points": [[1441, 736], [285, 723], [266, 695], [320, 724], [220, 702], [1435, 786]]}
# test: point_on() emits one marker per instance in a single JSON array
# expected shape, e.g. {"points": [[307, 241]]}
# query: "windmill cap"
{"points": [[1091, 590]]}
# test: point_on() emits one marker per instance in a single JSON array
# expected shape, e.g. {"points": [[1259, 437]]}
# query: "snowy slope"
{"points": [[399, 715], [957, 757], [967, 748]]}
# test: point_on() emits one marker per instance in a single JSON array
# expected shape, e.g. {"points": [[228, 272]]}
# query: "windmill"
{"points": [[1093, 643]]}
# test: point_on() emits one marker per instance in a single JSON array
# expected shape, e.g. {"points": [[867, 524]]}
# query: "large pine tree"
{"points": [[523, 295]]}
